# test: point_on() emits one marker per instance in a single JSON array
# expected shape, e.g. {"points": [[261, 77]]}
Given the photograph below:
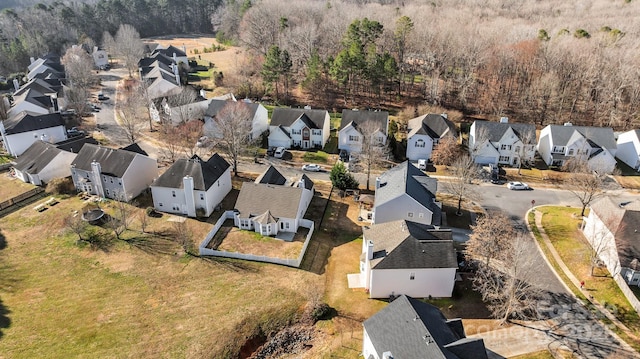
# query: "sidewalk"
{"points": [[574, 280]]}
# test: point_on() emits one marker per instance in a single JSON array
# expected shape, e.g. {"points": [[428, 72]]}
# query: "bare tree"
{"points": [[180, 110], [129, 47], [528, 138], [232, 132], [601, 237], [373, 150], [184, 237], [131, 107], [143, 217], [78, 65], [490, 236], [464, 171], [506, 287], [5, 106], [121, 218], [585, 183], [446, 151], [77, 225]]}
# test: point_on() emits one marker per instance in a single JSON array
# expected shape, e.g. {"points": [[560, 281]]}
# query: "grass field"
{"points": [[129, 300], [11, 186]]}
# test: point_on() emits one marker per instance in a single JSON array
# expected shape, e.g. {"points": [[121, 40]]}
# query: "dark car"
{"points": [[344, 156]]}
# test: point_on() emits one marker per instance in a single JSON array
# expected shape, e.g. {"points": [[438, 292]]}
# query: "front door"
{"points": [[305, 144]]}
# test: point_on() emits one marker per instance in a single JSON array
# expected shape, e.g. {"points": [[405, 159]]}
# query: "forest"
{"points": [[540, 62]]}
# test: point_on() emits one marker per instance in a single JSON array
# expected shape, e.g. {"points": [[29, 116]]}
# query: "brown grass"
{"points": [[249, 242], [12, 186]]}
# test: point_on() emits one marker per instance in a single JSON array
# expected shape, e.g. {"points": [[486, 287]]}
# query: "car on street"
{"points": [[518, 186], [279, 152], [74, 131], [311, 167]]}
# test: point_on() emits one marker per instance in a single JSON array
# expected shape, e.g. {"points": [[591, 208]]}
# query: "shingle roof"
{"points": [[283, 116], [24, 122], [36, 157], [432, 125], [134, 148], [114, 162], [216, 105], [403, 244], [271, 176], [169, 51], [358, 118], [204, 174], [255, 199], [407, 178], [623, 219], [308, 183], [412, 329], [74, 145], [495, 130], [601, 136]]}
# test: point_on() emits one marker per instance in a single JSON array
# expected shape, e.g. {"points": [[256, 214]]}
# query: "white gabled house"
{"points": [[120, 174], [629, 148], [503, 143], [22, 130], [178, 55], [352, 124], [258, 113], [192, 187], [424, 134], [42, 162], [303, 128], [403, 257], [596, 145], [406, 193], [100, 57], [272, 204]]}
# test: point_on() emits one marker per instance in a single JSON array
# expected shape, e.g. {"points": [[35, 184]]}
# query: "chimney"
{"points": [[568, 124], [175, 58], [369, 250], [444, 115], [307, 107], [189, 195], [176, 72], [504, 119], [32, 60], [16, 84], [203, 93], [387, 355], [301, 183]]}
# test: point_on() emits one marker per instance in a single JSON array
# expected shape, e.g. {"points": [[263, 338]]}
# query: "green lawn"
{"points": [[5, 159], [316, 157]]}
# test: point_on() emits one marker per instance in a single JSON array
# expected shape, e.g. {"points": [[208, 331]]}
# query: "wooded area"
{"points": [[539, 62]]}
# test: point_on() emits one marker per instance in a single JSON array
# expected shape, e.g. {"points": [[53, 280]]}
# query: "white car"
{"points": [[517, 186], [311, 168], [279, 153]]}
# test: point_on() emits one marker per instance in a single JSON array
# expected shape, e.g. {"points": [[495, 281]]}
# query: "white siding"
{"points": [[260, 122], [326, 129], [403, 207], [345, 144], [277, 138], [544, 145], [217, 192], [29, 108], [368, 350], [58, 167], [170, 204], [603, 162], [141, 172], [17, 143], [435, 282], [629, 149], [415, 153], [597, 234]]}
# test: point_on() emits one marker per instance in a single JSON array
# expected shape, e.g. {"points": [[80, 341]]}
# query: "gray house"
{"points": [[410, 329]]}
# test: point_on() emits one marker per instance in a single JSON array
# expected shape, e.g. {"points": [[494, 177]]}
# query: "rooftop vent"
{"points": [[504, 119], [568, 124]]}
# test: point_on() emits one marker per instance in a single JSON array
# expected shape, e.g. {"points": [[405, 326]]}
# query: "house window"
{"points": [[111, 179], [286, 225], [380, 139], [159, 204], [107, 192], [504, 159], [505, 147], [410, 214], [420, 215], [202, 196], [173, 193], [104, 178], [517, 148], [420, 143], [570, 152], [412, 276], [354, 138]]}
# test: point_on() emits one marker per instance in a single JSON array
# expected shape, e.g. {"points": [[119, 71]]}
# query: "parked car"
{"points": [[102, 97], [202, 141], [279, 152], [422, 164], [518, 186], [311, 167], [344, 156], [74, 131]]}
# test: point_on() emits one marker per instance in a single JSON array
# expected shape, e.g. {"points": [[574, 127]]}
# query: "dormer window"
{"points": [[420, 143], [570, 152]]}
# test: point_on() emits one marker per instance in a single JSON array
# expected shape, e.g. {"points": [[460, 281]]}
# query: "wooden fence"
{"points": [[21, 197]]}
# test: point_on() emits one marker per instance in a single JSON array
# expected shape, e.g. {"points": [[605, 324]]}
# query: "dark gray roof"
{"points": [[412, 329], [284, 116], [432, 125], [134, 148], [216, 105], [256, 198], [602, 136], [271, 176], [308, 183], [204, 174], [114, 162], [39, 85], [495, 130], [358, 118], [407, 178], [147, 61], [74, 145], [24, 122], [403, 244], [36, 157], [169, 51]]}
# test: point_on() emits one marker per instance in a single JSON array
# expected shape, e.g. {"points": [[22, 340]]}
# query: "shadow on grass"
{"points": [[5, 321], [152, 244], [234, 265]]}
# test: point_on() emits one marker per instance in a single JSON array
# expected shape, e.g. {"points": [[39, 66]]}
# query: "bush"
{"points": [[60, 186], [322, 311]]}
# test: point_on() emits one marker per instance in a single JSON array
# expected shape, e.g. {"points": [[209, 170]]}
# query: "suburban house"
{"points": [[403, 257], [192, 187], [161, 80], [612, 228], [406, 193], [100, 57], [257, 112], [503, 143], [424, 134], [37, 97], [629, 148], [300, 128], [270, 205], [120, 174], [409, 328], [353, 124], [42, 162], [47, 66], [176, 54], [22, 130], [596, 145]]}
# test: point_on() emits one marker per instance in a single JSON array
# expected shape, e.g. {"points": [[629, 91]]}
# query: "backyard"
{"points": [[11, 186]]}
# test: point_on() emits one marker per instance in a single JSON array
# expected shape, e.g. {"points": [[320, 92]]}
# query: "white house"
{"points": [[49, 64], [258, 113], [403, 257], [176, 54], [192, 187], [424, 134], [100, 57], [21, 131], [270, 206], [596, 145], [120, 174], [502, 142], [42, 162], [612, 228], [352, 124], [161, 80], [406, 193], [303, 128], [412, 329], [628, 151]]}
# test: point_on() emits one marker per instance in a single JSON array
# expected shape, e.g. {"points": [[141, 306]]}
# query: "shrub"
{"points": [[60, 186]]}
